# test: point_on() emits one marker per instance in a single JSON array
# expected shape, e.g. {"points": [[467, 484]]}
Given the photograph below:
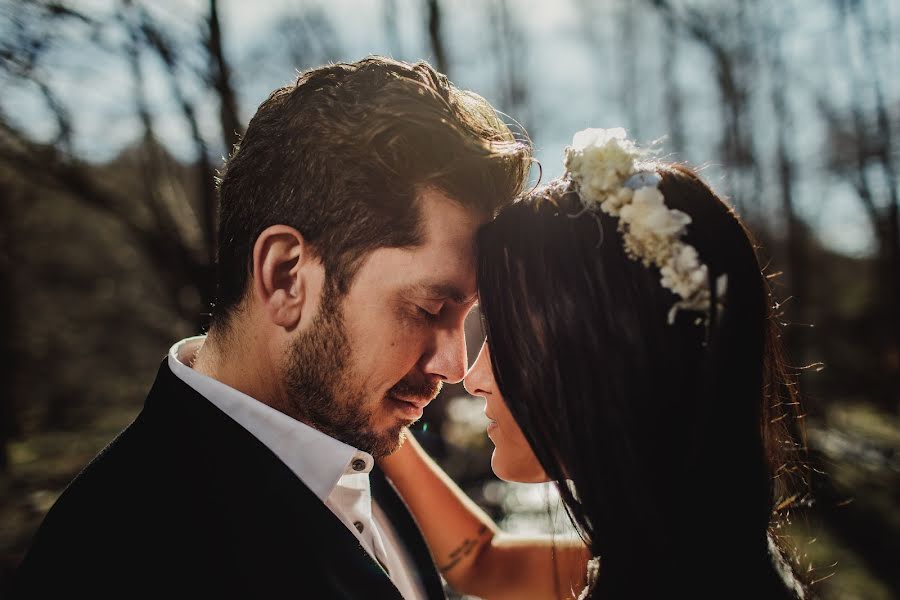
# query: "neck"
{"points": [[239, 361]]}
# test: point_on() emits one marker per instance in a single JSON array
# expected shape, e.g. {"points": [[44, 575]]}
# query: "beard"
{"points": [[325, 393]]}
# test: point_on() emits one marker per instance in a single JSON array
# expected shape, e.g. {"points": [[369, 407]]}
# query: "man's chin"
{"points": [[388, 441], [401, 439]]}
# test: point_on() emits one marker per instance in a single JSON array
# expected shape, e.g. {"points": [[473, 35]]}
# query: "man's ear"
{"points": [[287, 275]]}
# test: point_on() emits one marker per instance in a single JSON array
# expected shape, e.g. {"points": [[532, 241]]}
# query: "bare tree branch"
{"points": [[151, 171], [795, 233], [164, 49], [45, 164], [885, 156], [736, 142]]}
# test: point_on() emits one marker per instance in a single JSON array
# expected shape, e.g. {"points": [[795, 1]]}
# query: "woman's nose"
{"points": [[479, 381]]}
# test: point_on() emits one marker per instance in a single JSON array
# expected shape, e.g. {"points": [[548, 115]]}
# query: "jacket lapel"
{"points": [[273, 524], [389, 500]]}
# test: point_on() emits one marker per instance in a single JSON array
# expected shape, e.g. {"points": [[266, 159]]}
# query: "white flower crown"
{"points": [[606, 169]]}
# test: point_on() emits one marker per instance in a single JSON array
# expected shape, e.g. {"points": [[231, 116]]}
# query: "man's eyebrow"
{"points": [[442, 290]]}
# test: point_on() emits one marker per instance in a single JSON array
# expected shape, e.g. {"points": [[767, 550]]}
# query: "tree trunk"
{"points": [[887, 222], [629, 52], [794, 231], [8, 353], [436, 37], [672, 94], [221, 79], [391, 32], [511, 55]]}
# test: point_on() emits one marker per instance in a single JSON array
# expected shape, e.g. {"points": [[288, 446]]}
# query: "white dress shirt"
{"points": [[338, 474]]}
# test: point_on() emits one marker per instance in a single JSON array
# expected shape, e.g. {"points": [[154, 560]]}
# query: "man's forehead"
{"points": [[446, 221]]}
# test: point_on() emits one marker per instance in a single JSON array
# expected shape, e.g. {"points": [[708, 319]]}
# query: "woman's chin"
{"points": [[515, 472]]}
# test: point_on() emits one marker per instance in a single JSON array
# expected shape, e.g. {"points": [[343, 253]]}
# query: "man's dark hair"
{"points": [[341, 154]]}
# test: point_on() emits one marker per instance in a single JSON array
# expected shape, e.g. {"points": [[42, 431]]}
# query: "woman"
{"points": [[632, 357]]}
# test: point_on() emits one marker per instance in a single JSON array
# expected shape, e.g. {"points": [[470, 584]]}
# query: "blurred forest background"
{"points": [[115, 115]]}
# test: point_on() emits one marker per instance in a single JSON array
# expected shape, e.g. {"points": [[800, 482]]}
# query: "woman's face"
{"points": [[513, 458]]}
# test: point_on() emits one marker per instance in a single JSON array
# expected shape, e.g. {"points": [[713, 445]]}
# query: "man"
{"points": [[345, 272]]}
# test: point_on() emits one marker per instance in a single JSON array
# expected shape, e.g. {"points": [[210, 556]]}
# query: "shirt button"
{"points": [[358, 464], [359, 526]]}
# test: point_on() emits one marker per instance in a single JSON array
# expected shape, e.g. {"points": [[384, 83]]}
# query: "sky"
{"points": [[573, 81]]}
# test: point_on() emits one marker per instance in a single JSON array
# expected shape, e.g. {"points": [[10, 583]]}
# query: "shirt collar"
{"points": [[317, 459]]}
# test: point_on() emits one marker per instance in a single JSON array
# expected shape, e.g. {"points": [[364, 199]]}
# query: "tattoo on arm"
{"points": [[466, 548]]}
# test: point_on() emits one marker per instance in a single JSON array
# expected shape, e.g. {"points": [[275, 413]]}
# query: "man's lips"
{"points": [[417, 402], [410, 408]]}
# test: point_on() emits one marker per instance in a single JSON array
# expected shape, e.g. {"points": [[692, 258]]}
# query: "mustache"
{"points": [[417, 390]]}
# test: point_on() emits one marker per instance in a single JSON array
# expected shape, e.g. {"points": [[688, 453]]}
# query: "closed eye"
{"points": [[428, 315]]}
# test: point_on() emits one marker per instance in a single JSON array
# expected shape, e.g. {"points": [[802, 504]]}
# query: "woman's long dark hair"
{"points": [[676, 438]]}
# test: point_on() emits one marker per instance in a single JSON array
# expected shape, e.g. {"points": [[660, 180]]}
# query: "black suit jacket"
{"points": [[186, 502]]}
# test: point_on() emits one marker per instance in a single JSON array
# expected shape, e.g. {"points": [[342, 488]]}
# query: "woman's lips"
{"points": [[492, 425]]}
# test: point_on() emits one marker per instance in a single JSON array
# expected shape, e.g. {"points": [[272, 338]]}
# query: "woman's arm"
{"points": [[472, 554]]}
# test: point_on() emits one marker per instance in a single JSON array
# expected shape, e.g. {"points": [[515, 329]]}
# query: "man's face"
{"points": [[373, 359]]}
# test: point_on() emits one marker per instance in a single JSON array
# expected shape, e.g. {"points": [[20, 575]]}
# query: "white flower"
{"points": [[683, 273], [599, 160], [613, 203], [648, 215], [722, 286], [685, 259], [598, 137]]}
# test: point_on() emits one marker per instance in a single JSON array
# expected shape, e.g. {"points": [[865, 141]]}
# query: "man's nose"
{"points": [[448, 360]]}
